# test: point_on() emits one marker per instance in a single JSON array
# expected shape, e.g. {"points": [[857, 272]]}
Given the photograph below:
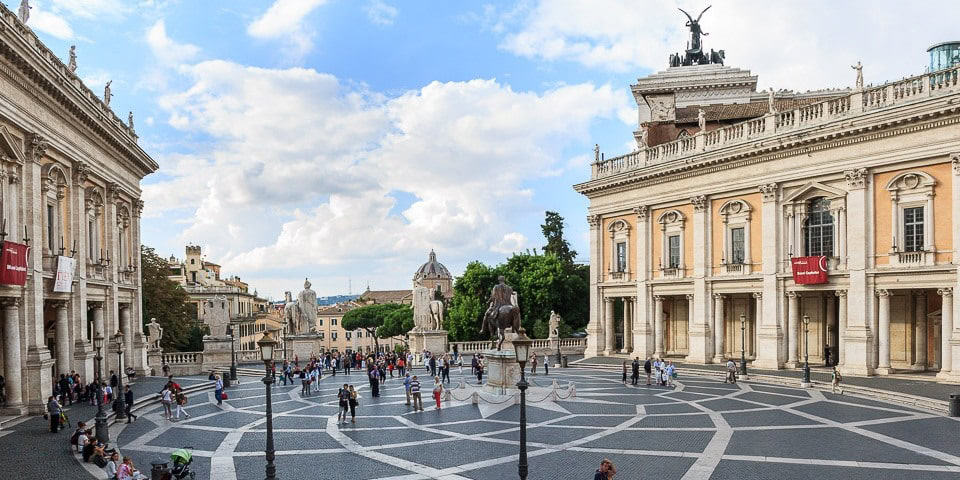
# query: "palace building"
{"points": [[70, 174], [785, 224]]}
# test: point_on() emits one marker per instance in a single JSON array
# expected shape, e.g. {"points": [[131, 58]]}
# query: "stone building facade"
{"points": [[695, 233], [70, 174]]}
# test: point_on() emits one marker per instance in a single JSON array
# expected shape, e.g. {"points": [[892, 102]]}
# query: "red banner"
{"points": [[13, 261], [809, 270]]}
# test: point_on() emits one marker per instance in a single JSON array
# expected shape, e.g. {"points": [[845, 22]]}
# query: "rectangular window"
{"points": [[673, 242], [913, 229], [348, 335], [359, 333], [333, 321], [51, 227], [333, 335], [91, 244], [319, 322], [621, 257], [736, 245]]}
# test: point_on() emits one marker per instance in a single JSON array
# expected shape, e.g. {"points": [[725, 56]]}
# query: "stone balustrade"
{"points": [[570, 346], [857, 102]]}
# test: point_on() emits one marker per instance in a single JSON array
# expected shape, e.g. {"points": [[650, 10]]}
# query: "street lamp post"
{"points": [[743, 346], [120, 402], [233, 355], [806, 351], [521, 346], [103, 434], [267, 344]]}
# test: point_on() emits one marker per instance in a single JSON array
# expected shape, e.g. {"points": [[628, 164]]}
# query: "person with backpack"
{"points": [[648, 369], [343, 397]]}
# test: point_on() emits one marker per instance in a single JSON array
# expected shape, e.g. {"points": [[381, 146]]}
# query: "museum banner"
{"points": [[13, 260], [66, 266], [809, 270]]}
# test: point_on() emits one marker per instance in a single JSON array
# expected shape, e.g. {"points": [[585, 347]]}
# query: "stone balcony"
{"points": [[808, 118]]}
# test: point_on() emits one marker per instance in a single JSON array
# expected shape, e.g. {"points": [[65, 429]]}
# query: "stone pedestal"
{"points": [[502, 371], [433, 341], [216, 353], [303, 346], [154, 362]]}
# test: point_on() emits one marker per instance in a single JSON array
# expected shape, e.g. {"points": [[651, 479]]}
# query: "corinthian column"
{"points": [[793, 320], [658, 324], [921, 329], [127, 334], [609, 325], [11, 352], [883, 332], [842, 326], [62, 329], [948, 371], [718, 327]]}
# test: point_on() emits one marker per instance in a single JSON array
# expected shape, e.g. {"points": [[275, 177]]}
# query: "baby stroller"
{"points": [[182, 459]]}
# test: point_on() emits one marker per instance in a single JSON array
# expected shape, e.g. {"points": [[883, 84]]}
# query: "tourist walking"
{"points": [[343, 397], [648, 369], [635, 371], [166, 399], [181, 401], [479, 371], [128, 401], [533, 364], [406, 387], [437, 390], [217, 391], [375, 382], [670, 371], [54, 410], [415, 392], [445, 375], [354, 401], [606, 470], [731, 372], [624, 373], [835, 381]]}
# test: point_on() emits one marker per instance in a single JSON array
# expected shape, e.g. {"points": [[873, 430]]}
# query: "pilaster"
{"points": [[769, 335], [643, 346], [595, 338], [699, 339], [859, 337]]}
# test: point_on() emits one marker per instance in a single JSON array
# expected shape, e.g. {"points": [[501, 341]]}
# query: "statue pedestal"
{"points": [[502, 371], [303, 346], [433, 341], [154, 361], [216, 353]]}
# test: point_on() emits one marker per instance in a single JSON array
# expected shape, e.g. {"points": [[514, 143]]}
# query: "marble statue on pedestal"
{"points": [[422, 314], [503, 311], [859, 68], [154, 333], [554, 324], [307, 306], [291, 314]]}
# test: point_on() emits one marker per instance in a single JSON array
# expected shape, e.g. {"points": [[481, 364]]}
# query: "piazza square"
{"points": [[441, 240]]}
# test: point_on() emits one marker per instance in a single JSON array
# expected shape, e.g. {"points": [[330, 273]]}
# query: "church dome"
{"points": [[432, 269]]}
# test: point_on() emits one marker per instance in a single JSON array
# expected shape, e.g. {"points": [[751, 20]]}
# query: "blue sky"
{"points": [[344, 139]]}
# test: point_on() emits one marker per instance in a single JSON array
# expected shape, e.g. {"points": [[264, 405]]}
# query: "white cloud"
{"points": [[51, 24], [92, 9], [302, 168], [800, 45], [380, 13], [165, 49], [284, 20]]}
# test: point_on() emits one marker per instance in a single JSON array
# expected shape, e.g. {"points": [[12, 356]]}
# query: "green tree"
{"points": [[470, 292], [397, 323], [166, 301], [371, 318], [556, 245]]}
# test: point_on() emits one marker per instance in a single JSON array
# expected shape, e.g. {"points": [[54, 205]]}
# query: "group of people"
{"points": [[663, 372], [98, 453], [172, 395], [68, 389], [412, 386]]}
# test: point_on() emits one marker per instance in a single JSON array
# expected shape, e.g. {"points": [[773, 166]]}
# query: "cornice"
{"points": [[773, 148], [39, 66]]}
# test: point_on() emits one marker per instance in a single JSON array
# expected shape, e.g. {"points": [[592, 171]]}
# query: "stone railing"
{"points": [[180, 358], [857, 102], [569, 346], [248, 356]]}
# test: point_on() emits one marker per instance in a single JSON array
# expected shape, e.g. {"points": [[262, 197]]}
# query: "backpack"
{"points": [[75, 438]]}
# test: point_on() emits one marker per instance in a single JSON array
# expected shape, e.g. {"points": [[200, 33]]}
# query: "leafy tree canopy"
{"points": [[169, 303], [372, 317], [556, 245]]}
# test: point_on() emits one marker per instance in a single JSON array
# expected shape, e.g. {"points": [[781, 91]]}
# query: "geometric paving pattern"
{"points": [[701, 429]]}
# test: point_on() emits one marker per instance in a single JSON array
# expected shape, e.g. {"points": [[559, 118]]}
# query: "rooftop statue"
{"points": [[72, 64], [24, 11], [694, 54], [859, 68], [107, 94]]}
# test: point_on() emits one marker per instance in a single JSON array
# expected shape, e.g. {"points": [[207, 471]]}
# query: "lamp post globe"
{"points": [[743, 346], [521, 348], [267, 345], [806, 351], [120, 403], [103, 433]]}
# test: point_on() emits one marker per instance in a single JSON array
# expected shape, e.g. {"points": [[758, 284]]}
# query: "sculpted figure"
{"points": [[106, 93], [422, 314], [72, 63], [154, 333], [702, 120], [291, 314], [130, 124], [554, 324], [859, 68], [24, 11], [307, 305], [503, 311], [772, 107]]}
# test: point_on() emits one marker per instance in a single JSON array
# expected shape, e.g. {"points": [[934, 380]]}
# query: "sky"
{"points": [[342, 140]]}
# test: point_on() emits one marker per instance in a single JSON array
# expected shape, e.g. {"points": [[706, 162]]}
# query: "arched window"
{"points": [[818, 237]]}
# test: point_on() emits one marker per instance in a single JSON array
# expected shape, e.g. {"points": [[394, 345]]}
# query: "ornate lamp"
{"points": [[120, 401], [103, 433], [267, 345], [806, 350], [521, 348]]}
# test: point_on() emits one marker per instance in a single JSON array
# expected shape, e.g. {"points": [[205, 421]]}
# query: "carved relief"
{"points": [[856, 179], [137, 207], [955, 160], [36, 146], [113, 191], [593, 220], [80, 173], [641, 212], [769, 192], [699, 203]]}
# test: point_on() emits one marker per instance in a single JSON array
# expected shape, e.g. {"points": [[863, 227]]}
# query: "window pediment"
{"points": [[813, 190], [913, 181], [618, 226], [8, 147], [670, 217]]}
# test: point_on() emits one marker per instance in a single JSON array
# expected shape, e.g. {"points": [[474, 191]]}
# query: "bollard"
{"points": [[159, 470], [955, 405], [564, 362]]}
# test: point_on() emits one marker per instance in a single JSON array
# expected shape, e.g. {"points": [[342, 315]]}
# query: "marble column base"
{"points": [[884, 371]]}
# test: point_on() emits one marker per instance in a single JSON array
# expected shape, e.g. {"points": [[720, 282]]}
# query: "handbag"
{"points": [[223, 396]]}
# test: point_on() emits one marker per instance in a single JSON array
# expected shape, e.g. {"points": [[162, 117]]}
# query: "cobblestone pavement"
{"points": [[920, 384], [700, 429]]}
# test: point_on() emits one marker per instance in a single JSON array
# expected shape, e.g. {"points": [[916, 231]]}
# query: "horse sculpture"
{"points": [[436, 314], [497, 321]]}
